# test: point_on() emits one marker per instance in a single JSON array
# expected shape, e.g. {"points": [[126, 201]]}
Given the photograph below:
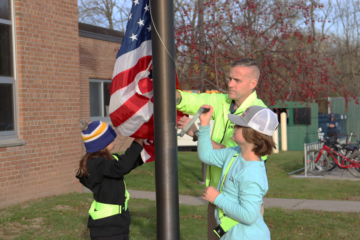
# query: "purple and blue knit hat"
{"points": [[97, 135]]}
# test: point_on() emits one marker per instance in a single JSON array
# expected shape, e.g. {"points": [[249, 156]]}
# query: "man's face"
{"points": [[241, 83]]}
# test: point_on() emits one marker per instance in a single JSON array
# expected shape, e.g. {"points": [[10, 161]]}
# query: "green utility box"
{"points": [[350, 112], [302, 123]]}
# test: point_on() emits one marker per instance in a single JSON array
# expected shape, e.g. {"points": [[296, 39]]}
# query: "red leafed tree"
{"points": [[280, 35]]}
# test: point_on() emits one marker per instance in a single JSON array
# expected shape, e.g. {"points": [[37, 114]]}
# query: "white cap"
{"points": [[258, 118]]}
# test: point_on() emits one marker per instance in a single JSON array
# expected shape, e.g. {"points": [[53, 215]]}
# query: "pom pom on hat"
{"points": [[83, 124], [96, 135]]}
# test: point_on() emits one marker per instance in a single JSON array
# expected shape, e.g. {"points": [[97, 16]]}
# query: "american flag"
{"points": [[131, 102]]}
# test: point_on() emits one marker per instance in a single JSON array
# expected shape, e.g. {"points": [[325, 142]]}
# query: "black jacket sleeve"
{"points": [[126, 162]]}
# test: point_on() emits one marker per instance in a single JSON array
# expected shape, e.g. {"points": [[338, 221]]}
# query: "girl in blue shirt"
{"points": [[243, 182]]}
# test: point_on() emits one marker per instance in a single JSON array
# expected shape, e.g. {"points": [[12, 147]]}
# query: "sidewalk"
{"points": [[293, 204], [336, 174]]}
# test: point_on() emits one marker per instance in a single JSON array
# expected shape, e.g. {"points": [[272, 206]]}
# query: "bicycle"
{"points": [[336, 146], [319, 163], [330, 142]]}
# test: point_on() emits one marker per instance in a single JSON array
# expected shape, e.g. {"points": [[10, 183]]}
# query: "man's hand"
{"points": [[178, 97], [331, 125], [182, 123], [210, 194], [205, 117]]}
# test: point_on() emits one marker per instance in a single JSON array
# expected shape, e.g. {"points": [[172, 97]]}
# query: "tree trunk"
{"points": [[202, 43]]}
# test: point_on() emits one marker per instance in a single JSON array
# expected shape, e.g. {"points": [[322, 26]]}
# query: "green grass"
{"points": [[65, 217], [280, 184], [189, 175], [309, 224]]}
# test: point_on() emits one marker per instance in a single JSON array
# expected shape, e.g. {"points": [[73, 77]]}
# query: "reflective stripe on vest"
{"points": [[226, 222], [104, 210]]}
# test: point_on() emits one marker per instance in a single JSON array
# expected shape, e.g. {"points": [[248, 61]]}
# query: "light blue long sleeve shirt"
{"points": [[243, 190]]}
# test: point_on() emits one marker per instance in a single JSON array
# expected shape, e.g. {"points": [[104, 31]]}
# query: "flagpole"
{"points": [[166, 160]]}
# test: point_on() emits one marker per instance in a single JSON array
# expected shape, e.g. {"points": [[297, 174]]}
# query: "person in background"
{"points": [[103, 174], [332, 128]]}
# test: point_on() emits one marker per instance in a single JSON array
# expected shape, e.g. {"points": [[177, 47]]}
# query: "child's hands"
{"points": [[205, 117], [210, 194], [139, 141]]}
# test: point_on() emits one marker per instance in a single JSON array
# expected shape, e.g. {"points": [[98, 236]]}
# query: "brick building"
{"points": [[49, 65]]}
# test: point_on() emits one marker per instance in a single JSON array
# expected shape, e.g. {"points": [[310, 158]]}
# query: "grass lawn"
{"points": [[280, 184], [65, 217]]}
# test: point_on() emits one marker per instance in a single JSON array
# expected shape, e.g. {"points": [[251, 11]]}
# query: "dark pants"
{"points": [[211, 222], [333, 136], [124, 236]]}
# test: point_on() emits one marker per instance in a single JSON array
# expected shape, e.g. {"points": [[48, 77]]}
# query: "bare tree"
{"points": [[301, 45], [346, 47], [111, 14]]}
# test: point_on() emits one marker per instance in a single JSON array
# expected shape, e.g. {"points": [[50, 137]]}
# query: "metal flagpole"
{"points": [[166, 161]]}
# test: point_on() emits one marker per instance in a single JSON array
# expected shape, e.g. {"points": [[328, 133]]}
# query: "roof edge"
{"points": [[100, 33]]}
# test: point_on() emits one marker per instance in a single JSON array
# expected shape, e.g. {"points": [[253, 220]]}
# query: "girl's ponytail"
{"points": [[82, 171]]}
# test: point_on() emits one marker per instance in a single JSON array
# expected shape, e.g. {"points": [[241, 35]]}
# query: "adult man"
{"points": [[243, 78]]}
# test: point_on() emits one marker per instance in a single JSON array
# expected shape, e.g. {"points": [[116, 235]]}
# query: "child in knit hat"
{"points": [[103, 174]]}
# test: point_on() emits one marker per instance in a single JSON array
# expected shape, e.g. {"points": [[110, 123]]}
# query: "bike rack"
{"points": [[311, 146]]}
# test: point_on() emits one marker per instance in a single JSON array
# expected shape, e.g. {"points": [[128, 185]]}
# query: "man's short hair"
{"points": [[247, 62]]}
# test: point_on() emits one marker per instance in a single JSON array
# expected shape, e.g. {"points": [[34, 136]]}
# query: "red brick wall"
{"points": [[97, 59], [47, 43], [54, 66]]}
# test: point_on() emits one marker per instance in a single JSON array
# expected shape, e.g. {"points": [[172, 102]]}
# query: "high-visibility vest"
{"points": [[226, 222], [104, 210]]}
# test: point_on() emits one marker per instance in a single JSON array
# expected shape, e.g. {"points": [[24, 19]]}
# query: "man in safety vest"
{"points": [[243, 78]]}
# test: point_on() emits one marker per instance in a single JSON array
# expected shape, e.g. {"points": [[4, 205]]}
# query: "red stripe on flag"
{"points": [[177, 81], [145, 130], [179, 115], [127, 110], [126, 77]]}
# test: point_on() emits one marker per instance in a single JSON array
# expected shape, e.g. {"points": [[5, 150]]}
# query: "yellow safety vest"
{"points": [[104, 210], [226, 222]]}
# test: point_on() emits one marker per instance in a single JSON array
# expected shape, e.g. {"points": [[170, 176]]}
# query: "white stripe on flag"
{"points": [[142, 116], [120, 97], [144, 155], [129, 60]]}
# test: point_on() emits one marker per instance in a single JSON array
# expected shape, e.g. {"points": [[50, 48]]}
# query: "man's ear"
{"points": [[253, 83]]}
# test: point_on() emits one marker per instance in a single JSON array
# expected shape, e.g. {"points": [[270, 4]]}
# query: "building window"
{"points": [[99, 99], [6, 107], [302, 116], [7, 78]]}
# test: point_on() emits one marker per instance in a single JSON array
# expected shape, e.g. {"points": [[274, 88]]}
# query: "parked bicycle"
{"points": [[347, 157], [344, 149]]}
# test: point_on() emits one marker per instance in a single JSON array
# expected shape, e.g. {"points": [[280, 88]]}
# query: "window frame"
{"points": [[11, 138], [102, 118]]}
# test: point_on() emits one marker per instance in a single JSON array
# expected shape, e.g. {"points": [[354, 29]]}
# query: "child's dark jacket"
{"points": [[106, 181]]}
